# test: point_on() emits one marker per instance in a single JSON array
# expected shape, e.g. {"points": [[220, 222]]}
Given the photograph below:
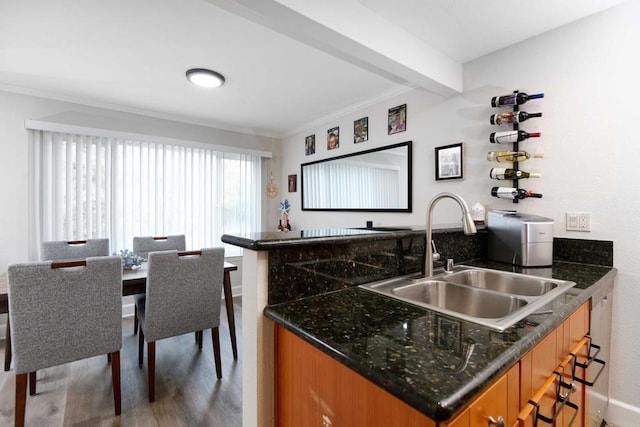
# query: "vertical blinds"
{"points": [[88, 186]]}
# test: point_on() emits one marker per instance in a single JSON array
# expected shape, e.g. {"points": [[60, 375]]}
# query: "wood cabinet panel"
{"points": [[312, 389]]}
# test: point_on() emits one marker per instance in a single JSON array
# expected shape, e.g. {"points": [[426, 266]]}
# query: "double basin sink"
{"points": [[492, 298]]}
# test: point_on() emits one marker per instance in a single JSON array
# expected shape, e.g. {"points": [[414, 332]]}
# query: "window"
{"points": [[90, 186]]}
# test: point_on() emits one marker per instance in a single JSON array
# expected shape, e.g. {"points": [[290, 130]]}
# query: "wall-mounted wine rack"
{"points": [[516, 144]]}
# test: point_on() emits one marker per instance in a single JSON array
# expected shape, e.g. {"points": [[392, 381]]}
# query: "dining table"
{"points": [[133, 282]]}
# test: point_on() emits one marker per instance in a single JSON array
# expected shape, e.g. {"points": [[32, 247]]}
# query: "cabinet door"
{"points": [[498, 401], [312, 389]]}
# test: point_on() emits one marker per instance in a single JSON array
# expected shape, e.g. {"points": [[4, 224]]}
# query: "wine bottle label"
{"points": [[504, 137], [505, 192], [502, 119]]}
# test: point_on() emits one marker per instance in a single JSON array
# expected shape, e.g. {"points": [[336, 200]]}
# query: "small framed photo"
{"points": [[310, 145], [292, 181], [397, 119], [361, 130], [449, 160], [333, 138]]}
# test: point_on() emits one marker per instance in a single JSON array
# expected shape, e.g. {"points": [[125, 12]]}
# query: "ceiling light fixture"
{"points": [[205, 78]]}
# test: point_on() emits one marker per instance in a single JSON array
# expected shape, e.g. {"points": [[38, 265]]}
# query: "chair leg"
{"points": [[7, 347], [115, 379], [21, 399], [32, 383], [200, 339], [140, 347], [135, 320], [151, 362], [215, 337], [108, 357]]}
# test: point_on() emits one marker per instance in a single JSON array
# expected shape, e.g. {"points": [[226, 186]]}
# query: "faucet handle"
{"points": [[436, 255]]}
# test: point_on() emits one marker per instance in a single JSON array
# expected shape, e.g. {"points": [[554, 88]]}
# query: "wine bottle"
{"points": [[512, 136], [513, 193], [504, 173], [514, 99], [511, 156], [512, 117]]}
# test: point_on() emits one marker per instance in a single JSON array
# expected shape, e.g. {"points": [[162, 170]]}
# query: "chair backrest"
{"points": [[64, 311], [183, 292], [76, 249], [143, 245]]}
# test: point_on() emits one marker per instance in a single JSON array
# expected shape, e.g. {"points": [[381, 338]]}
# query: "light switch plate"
{"points": [[578, 221]]}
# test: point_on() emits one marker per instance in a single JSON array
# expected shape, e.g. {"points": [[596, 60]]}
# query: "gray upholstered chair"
{"points": [[184, 291], [143, 246], [61, 312], [76, 249]]}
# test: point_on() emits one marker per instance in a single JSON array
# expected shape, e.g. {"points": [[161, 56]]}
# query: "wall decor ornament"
{"points": [[272, 190]]}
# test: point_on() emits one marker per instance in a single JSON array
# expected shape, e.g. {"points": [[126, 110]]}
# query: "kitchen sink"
{"points": [[493, 298], [504, 282], [461, 299]]}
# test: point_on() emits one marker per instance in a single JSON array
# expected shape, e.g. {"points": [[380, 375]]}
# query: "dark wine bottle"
{"points": [[505, 173], [513, 193], [512, 117], [511, 136], [514, 99]]}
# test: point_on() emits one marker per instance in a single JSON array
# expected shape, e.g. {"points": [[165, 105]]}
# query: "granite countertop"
{"points": [[435, 363], [278, 239]]}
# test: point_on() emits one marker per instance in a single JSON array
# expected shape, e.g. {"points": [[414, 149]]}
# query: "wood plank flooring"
{"points": [[79, 394]]}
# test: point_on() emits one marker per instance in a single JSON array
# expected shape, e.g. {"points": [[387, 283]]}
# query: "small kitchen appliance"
{"points": [[520, 239]]}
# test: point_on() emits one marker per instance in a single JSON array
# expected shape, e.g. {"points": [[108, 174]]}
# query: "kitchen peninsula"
{"points": [[307, 283]]}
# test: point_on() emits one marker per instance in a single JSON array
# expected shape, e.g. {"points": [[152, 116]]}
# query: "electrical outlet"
{"points": [[578, 221]]}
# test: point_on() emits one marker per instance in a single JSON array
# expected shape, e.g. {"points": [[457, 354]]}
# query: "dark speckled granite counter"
{"points": [[419, 355]]}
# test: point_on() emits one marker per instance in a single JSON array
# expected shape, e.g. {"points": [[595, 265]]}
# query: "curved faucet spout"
{"points": [[467, 224]]}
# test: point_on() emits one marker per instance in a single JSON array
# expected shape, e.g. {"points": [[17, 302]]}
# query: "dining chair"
{"points": [[62, 312], [143, 246], [183, 295], [74, 249]]}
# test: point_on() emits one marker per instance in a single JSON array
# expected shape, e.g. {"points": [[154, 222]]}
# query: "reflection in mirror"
{"points": [[373, 180]]}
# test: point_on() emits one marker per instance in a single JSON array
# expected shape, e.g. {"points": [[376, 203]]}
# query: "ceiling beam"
{"points": [[373, 43]]}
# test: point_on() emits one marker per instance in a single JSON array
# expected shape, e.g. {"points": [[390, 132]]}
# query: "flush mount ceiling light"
{"points": [[205, 78]]}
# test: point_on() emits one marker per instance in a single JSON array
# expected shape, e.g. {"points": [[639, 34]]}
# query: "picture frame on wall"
{"points": [[361, 130], [449, 162], [397, 120], [292, 183], [333, 138], [310, 145]]}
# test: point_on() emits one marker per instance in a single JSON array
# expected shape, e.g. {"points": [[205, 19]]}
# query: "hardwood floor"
{"points": [[187, 392]]}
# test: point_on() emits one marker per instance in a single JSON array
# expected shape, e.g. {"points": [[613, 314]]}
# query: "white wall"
{"points": [[589, 73]]}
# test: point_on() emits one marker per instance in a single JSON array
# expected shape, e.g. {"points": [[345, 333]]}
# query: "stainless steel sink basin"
{"points": [[492, 298], [461, 299], [516, 284]]}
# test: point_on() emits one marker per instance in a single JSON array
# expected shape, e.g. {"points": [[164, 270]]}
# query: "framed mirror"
{"points": [[377, 180]]}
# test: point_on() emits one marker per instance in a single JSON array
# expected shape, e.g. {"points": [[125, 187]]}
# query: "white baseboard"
{"points": [[621, 414]]}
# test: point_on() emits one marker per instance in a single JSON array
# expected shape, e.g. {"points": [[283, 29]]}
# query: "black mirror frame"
{"points": [[409, 207]]}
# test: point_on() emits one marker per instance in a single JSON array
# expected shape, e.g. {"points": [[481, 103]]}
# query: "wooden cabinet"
{"points": [[538, 380], [312, 389], [500, 401]]}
